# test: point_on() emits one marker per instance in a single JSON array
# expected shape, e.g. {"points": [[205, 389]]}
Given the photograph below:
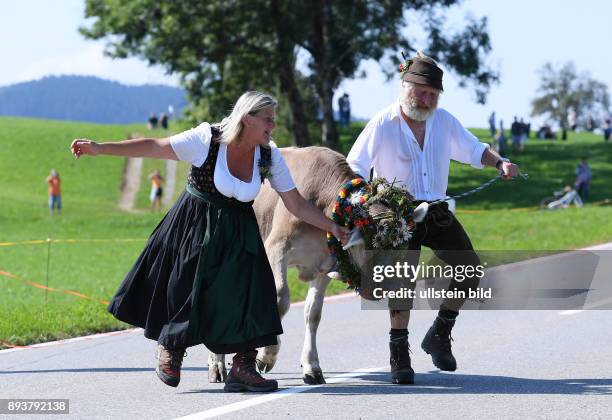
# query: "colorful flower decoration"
{"points": [[389, 230]]}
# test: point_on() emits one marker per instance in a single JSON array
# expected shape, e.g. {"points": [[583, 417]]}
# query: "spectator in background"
{"points": [[515, 132], [523, 134], [583, 178], [163, 121], [590, 124], [152, 121], [55, 193], [571, 120], [501, 142], [607, 130], [344, 109], [156, 189], [492, 124]]}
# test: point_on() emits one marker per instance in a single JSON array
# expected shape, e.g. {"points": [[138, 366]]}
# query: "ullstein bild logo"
{"points": [[487, 280]]}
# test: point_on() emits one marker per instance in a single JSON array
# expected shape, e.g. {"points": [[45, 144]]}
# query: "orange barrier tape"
{"points": [[69, 241], [40, 286]]}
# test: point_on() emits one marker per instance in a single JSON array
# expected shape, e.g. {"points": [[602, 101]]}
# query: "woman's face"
{"points": [[260, 125]]}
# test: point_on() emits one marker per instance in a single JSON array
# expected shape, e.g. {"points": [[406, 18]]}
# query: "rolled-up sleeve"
{"points": [[192, 145], [465, 147], [362, 154], [281, 179]]}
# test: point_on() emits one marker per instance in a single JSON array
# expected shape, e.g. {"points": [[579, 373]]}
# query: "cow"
{"points": [[318, 173]]}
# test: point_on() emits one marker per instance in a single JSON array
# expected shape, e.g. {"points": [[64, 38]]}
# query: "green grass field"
{"points": [[94, 244]]}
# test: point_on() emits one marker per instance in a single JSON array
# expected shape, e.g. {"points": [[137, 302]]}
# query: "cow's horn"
{"points": [[420, 212], [355, 239]]}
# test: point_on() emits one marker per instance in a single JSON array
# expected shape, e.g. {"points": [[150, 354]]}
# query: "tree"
{"points": [[342, 34], [221, 48], [564, 89]]}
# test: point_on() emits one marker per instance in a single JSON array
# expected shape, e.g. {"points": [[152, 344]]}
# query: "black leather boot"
{"points": [[437, 343], [401, 371]]}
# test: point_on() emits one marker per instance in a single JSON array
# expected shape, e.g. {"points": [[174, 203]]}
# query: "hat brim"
{"points": [[423, 80]]}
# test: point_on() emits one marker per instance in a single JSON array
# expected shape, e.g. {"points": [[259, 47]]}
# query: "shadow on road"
{"points": [[440, 383]]}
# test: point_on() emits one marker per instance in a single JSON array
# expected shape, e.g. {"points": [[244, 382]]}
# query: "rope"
{"points": [[477, 189]]}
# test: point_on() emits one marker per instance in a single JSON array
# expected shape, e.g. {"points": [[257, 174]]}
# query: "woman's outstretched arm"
{"points": [[141, 147]]}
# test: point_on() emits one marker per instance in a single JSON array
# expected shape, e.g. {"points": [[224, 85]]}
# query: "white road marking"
{"points": [[71, 340], [225, 409]]}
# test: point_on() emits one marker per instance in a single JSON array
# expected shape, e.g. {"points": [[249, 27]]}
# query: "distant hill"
{"points": [[88, 98]]}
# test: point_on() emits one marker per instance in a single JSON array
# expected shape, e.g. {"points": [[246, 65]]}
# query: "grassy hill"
{"points": [[94, 244]]}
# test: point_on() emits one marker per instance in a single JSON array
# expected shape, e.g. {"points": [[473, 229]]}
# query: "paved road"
{"points": [[512, 364]]}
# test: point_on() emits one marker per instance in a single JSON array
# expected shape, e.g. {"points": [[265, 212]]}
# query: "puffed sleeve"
{"points": [[465, 147], [192, 145], [281, 179]]}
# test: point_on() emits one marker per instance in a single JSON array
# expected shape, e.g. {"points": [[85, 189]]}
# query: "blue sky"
{"points": [[39, 37]]}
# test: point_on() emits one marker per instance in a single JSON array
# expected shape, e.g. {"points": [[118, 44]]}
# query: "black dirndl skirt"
{"points": [[203, 278]]}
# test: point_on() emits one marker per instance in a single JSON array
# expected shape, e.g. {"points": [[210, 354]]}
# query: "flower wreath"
{"points": [[391, 229]]}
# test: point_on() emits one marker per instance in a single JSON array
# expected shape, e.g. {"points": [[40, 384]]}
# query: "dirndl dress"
{"points": [[204, 276]]}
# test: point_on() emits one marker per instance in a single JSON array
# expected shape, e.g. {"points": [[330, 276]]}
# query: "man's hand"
{"points": [[509, 170]]}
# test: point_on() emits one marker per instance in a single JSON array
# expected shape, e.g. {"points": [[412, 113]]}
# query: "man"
{"points": [[412, 141], [516, 130], [583, 178]]}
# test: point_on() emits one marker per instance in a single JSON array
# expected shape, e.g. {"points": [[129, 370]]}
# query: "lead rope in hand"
{"points": [[475, 190]]}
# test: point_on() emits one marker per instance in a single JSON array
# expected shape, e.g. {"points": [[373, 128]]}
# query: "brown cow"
{"points": [[318, 173]]}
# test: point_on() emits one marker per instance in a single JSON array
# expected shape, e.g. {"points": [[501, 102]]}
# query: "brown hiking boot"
{"points": [[244, 377], [169, 364]]}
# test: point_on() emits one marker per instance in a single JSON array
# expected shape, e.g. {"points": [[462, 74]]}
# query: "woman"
{"points": [[204, 276]]}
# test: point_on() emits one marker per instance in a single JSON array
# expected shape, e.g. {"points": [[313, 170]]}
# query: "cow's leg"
{"points": [[216, 368], [266, 357], [312, 315]]}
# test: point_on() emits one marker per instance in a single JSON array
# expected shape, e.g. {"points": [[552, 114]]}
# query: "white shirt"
{"points": [[192, 146], [388, 145]]}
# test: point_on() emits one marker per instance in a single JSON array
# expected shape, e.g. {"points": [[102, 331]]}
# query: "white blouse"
{"points": [[192, 146], [388, 145]]}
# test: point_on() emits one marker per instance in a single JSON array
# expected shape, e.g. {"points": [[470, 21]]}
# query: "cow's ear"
{"points": [[354, 240], [420, 212]]}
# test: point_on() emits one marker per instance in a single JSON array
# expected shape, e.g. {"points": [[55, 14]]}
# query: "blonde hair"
{"points": [[249, 103]]}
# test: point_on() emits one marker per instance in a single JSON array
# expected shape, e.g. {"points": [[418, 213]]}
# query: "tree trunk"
{"points": [[329, 133], [288, 85], [324, 82]]}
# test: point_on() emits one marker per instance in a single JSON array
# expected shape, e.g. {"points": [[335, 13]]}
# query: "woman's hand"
{"points": [[341, 233], [83, 147]]}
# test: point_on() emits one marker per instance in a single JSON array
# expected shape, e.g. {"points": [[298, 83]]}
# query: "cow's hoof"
{"points": [[314, 378], [265, 367], [216, 374]]}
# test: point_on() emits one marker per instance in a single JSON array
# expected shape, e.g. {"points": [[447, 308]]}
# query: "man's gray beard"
{"points": [[415, 113]]}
